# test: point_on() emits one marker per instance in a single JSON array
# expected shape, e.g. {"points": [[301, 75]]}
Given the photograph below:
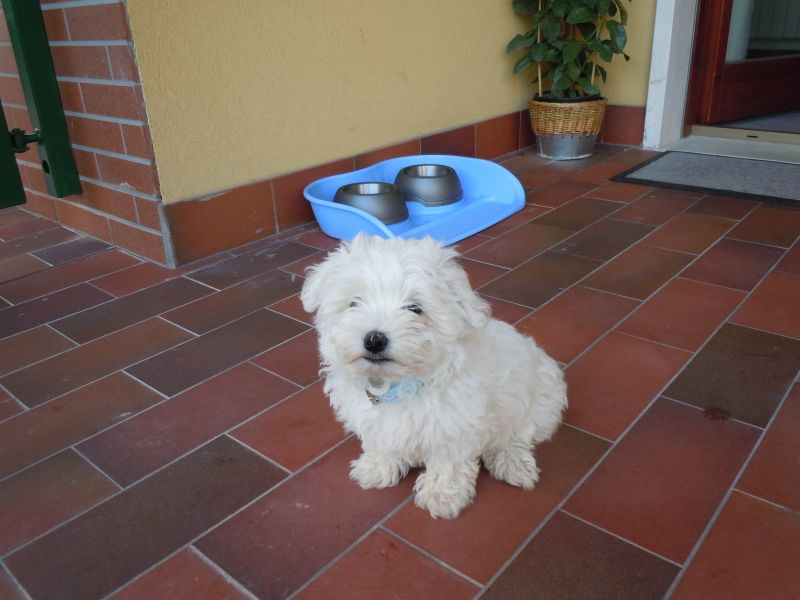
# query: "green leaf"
{"points": [[603, 6], [617, 33], [612, 9], [552, 54], [525, 7], [523, 63], [571, 50], [574, 71], [623, 12], [538, 53], [589, 88], [520, 41], [580, 14], [551, 27], [601, 50], [560, 8], [602, 71]]}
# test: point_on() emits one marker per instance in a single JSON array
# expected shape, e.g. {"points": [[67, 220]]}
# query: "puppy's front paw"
{"points": [[515, 465], [440, 499], [373, 471]]}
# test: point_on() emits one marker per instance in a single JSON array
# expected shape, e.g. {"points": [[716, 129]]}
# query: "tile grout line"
{"points": [[75, 449], [726, 497], [587, 432], [14, 581], [619, 439], [430, 555], [328, 566], [697, 408], [622, 539], [766, 501], [266, 458], [222, 572]]}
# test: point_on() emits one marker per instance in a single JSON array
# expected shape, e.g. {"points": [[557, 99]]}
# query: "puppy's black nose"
{"points": [[375, 341]]}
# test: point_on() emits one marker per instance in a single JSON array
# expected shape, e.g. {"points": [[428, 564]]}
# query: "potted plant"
{"points": [[564, 42]]}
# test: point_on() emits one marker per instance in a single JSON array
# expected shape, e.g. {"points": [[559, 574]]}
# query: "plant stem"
{"points": [[600, 28], [538, 64]]}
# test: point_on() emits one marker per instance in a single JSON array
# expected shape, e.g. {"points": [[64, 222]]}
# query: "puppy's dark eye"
{"points": [[355, 302], [415, 308]]}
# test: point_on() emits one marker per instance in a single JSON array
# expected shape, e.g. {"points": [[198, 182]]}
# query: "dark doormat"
{"points": [[720, 175]]}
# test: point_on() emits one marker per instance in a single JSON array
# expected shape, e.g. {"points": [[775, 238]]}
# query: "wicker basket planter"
{"points": [[566, 128]]}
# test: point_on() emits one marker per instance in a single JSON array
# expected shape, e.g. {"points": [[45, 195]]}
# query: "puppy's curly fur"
{"points": [[482, 390]]}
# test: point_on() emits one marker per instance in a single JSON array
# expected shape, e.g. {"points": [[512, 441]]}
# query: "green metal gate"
{"points": [[35, 65]]}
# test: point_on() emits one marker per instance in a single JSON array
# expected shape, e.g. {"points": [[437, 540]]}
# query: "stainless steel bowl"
{"points": [[383, 201], [433, 185]]}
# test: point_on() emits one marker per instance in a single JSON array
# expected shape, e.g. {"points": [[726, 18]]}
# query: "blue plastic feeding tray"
{"points": [[490, 194]]}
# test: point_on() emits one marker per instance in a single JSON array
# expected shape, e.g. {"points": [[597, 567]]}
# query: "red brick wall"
{"points": [[99, 83]]}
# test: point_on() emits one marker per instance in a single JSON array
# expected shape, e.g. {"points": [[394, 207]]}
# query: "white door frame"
{"points": [[673, 37]]}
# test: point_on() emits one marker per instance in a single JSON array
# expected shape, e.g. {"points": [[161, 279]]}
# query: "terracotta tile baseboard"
{"points": [[204, 226]]}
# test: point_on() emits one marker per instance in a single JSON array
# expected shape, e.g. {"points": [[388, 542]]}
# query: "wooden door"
{"points": [[724, 91]]}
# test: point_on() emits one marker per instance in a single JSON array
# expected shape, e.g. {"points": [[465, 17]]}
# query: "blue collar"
{"points": [[392, 393]]}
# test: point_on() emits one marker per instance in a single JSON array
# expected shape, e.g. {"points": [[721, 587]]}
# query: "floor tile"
{"points": [[240, 268], [506, 311], [308, 521], [299, 266], [773, 305], [569, 559], [568, 324], [684, 313], [49, 493], [485, 534], [45, 430], [121, 312], [774, 471], [540, 177], [518, 245], [536, 281], [614, 381], [723, 206], [84, 246], [605, 239], [769, 224], [11, 216], [8, 406], [69, 370], [620, 192], [134, 279], [293, 307], [734, 264], [791, 261], [526, 215], [296, 359], [20, 266], [689, 232], [578, 213], [561, 192], [524, 162], [135, 529], [210, 312], [745, 555], [10, 590], [655, 208], [471, 242], [63, 276], [662, 483], [155, 437], [35, 242], [184, 576], [638, 272], [316, 239], [31, 346], [479, 273], [296, 431], [32, 313], [741, 372], [383, 567], [197, 360]]}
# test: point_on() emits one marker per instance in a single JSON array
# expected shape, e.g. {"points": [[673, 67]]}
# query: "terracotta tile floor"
{"points": [[164, 433]]}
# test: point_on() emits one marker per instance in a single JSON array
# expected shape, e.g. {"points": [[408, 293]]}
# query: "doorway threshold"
{"points": [[720, 141]]}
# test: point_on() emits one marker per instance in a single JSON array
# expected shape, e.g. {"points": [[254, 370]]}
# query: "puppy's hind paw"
{"points": [[515, 465], [373, 471]]}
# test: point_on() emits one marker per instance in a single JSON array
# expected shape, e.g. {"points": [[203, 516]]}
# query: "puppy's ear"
{"points": [[311, 294], [474, 309]]}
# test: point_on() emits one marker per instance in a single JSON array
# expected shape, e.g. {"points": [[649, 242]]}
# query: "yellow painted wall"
{"points": [[244, 90]]}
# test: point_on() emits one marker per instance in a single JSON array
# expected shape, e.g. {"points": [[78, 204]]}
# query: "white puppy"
{"points": [[415, 366]]}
